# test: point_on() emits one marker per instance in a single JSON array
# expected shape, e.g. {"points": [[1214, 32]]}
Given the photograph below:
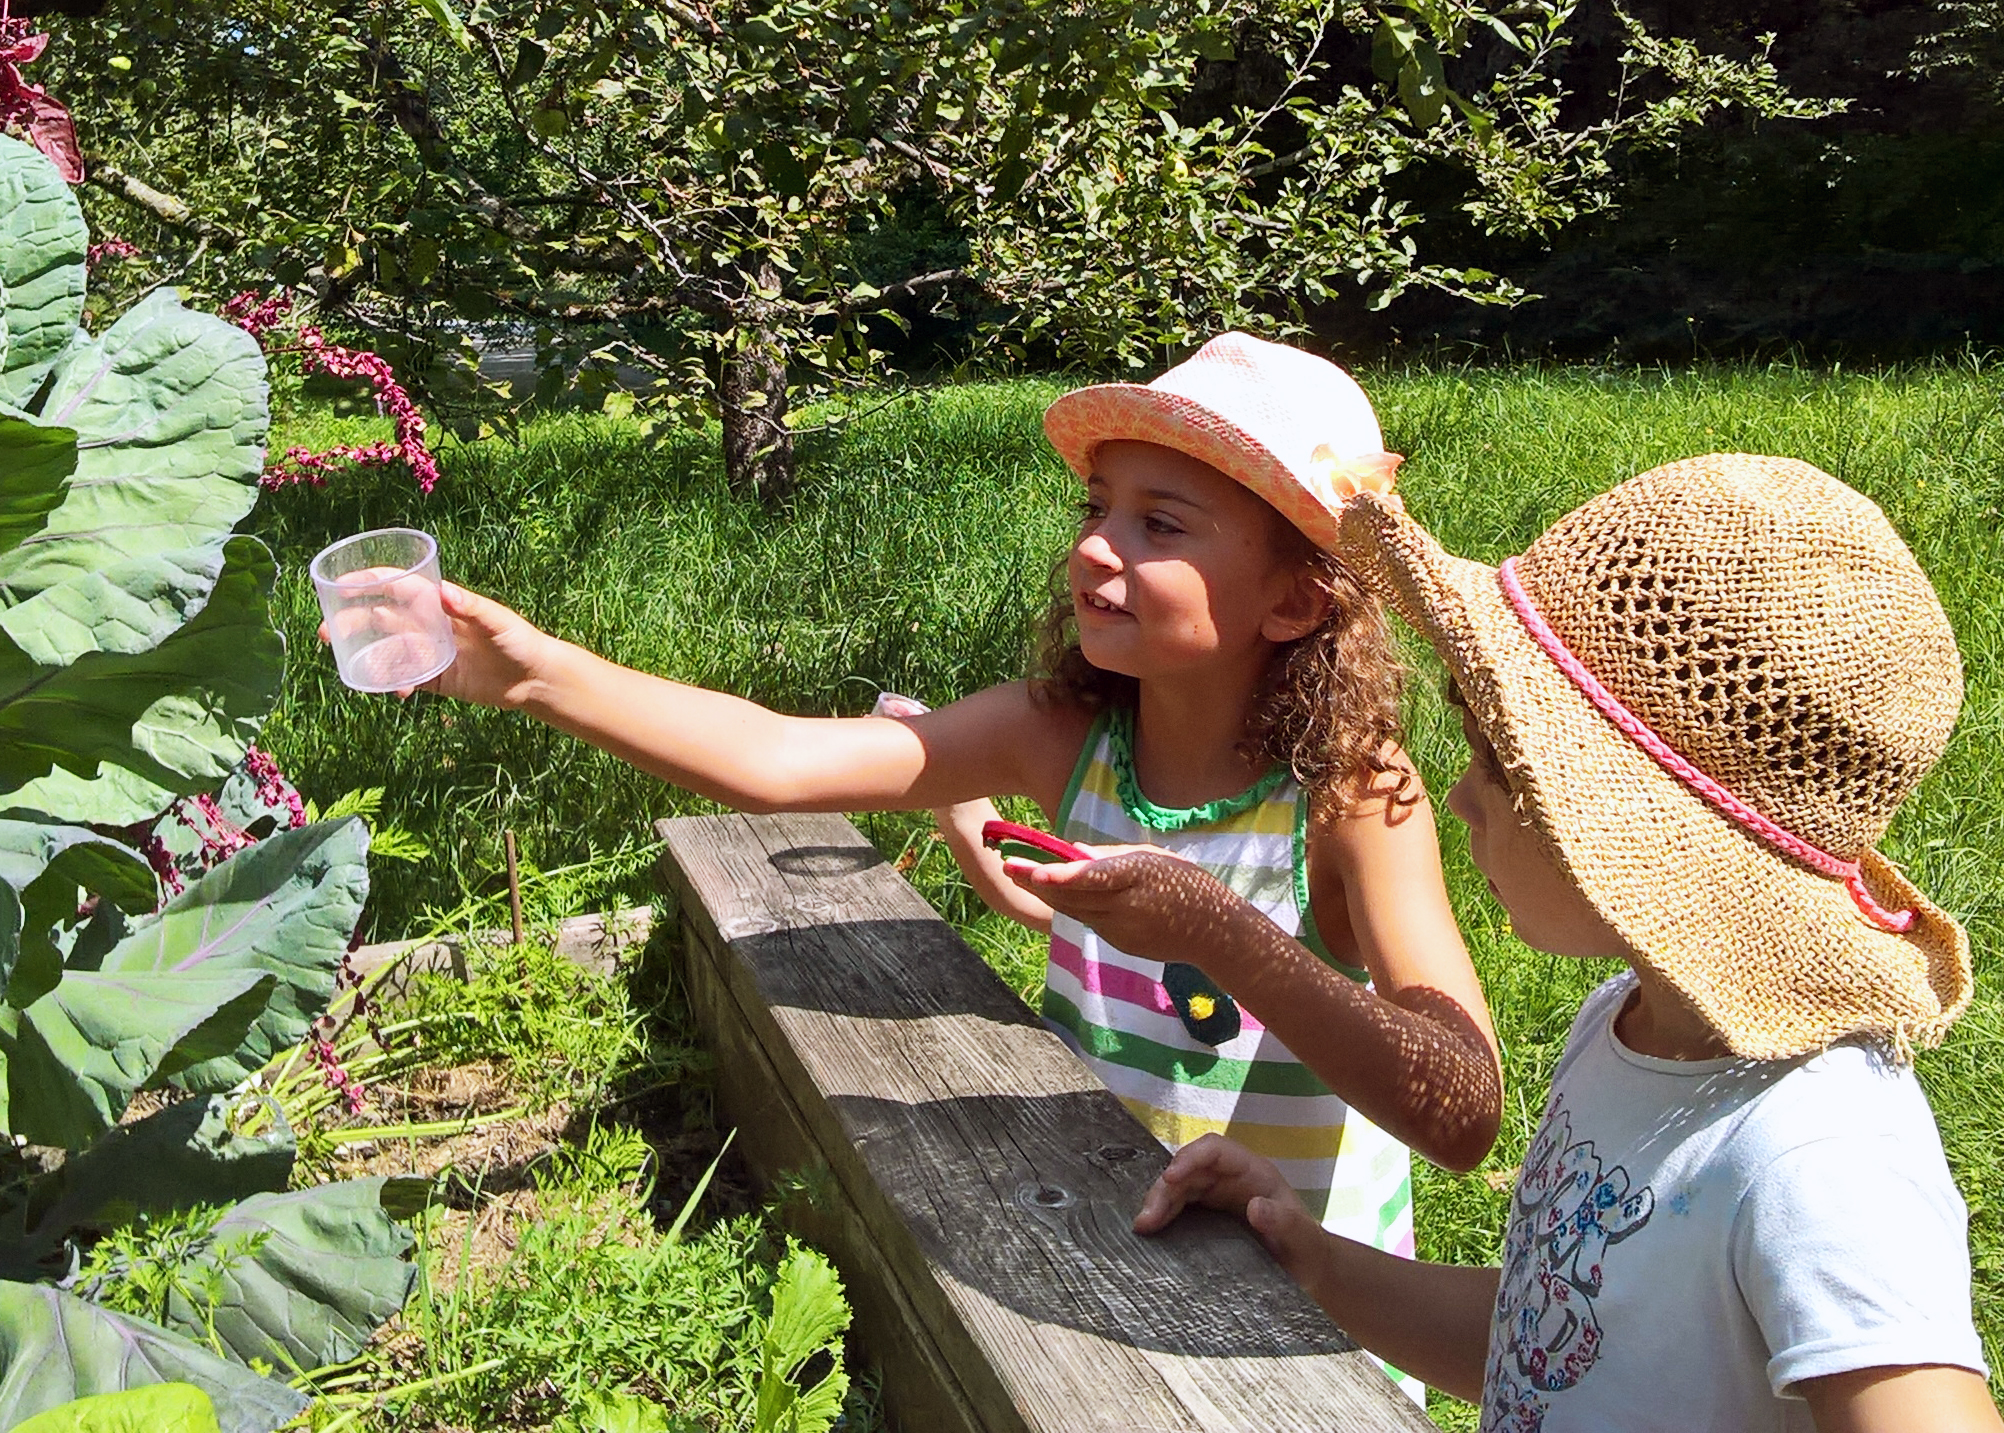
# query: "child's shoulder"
{"points": [[1853, 1093], [1046, 730], [1387, 795], [1050, 711], [1851, 1100]]}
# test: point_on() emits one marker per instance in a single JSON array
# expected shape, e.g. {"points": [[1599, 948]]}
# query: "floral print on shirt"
{"points": [[1566, 1213]]}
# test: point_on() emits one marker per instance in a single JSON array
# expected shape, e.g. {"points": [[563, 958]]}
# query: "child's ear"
{"points": [[1303, 606]]}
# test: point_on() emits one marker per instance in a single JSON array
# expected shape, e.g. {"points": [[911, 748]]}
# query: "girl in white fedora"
{"points": [[1214, 681], [1693, 705]]}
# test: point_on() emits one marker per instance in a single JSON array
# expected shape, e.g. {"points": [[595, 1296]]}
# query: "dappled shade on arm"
{"points": [[1420, 1066]]}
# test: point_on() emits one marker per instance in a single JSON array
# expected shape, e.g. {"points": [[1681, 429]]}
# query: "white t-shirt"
{"points": [[1690, 1238]]}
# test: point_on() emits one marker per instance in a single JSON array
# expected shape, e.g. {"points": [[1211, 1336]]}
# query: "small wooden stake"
{"points": [[514, 886]]}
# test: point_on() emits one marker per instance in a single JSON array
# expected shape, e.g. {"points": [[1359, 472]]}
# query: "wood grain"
{"points": [[979, 1180]]}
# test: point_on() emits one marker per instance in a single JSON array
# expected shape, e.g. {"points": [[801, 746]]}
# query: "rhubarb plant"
{"points": [[137, 660]]}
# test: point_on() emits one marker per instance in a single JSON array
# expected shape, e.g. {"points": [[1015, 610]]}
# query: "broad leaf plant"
{"points": [[137, 660]]}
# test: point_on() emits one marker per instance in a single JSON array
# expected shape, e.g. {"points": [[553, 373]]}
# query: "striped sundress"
{"points": [[1112, 1009]]}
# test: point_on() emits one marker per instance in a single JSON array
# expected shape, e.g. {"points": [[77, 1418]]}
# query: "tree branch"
{"points": [[172, 212], [1285, 161], [904, 289], [693, 17], [550, 201], [412, 112], [615, 310]]}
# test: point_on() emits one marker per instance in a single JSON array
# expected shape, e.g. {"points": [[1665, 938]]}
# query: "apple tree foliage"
{"points": [[700, 189]]}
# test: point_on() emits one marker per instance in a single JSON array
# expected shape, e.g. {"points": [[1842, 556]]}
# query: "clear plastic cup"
{"points": [[379, 593]]}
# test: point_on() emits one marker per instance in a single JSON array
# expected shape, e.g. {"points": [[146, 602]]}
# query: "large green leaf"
{"points": [[808, 1316], [91, 740], [123, 607], [325, 1267], [38, 461], [107, 794], [84, 947], [286, 906], [170, 411], [54, 1347], [10, 929], [157, 1408], [42, 247], [174, 1159], [47, 865], [74, 1057]]}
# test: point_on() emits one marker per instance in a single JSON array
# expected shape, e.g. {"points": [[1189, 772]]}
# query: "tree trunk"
{"points": [[751, 390]]}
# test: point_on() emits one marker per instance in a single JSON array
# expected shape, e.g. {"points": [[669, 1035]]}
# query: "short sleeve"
{"points": [[1853, 1253]]}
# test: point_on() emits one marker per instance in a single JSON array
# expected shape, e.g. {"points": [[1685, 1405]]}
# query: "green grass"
{"points": [[597, 1297], [918, 547], [595, 1252]]}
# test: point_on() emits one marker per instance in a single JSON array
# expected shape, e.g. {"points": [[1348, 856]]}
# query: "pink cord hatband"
{"points": [[1727, 804]]}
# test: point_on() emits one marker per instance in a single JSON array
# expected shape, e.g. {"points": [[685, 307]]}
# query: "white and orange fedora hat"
{"points": [[1294, 428], [1711, 687]]}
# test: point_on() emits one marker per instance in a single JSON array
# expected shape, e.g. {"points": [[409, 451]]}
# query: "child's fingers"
{"points": [[1175, 1188], [1289, 1233], [1210, 1170], [1163, 1202], [469, 606], [1088, 876], [1042, 876]]}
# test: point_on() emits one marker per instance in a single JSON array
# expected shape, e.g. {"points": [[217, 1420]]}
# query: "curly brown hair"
{"points": [[1327, 708]]}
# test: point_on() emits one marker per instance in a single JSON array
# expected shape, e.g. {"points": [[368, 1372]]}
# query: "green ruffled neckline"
{"points": [[1120, 738]]}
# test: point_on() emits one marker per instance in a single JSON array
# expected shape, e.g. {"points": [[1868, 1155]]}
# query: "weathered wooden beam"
{"points": [[594, 941], [971, 1179]]}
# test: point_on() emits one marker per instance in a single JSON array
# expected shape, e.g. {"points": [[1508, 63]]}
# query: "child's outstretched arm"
{"points": [[1377, 860], [1432, 1320], [739, 753], [960, 827], [1419, 1061]]}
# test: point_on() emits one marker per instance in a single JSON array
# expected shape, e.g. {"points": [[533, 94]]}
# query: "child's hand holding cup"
{"points": [[379, 592]]}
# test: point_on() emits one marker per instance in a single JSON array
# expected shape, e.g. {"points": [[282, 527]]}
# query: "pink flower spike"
{"points": [[110, 247], [317, 355], [162, 862]]}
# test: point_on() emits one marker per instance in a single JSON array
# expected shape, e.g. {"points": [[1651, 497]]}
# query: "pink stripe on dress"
{"points": [[1131, 987]]}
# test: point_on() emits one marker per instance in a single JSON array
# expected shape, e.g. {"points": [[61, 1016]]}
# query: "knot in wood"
{"points": [[1039, 1196]]}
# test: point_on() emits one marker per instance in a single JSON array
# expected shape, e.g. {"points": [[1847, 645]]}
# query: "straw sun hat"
{"points": [[1294, 428], [1712, 686]]}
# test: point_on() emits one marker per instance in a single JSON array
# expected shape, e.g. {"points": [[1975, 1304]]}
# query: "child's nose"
{"points": [[1096, 550]]}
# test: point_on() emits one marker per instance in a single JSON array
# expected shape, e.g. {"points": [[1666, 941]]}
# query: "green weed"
{"points": [[158, 1261], [610, 1313], [602, 1320], [563, 1032]]}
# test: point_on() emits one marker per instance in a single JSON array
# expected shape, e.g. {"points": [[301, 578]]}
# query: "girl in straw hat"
{"points": [[1693, 705], [1215, 682]]}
